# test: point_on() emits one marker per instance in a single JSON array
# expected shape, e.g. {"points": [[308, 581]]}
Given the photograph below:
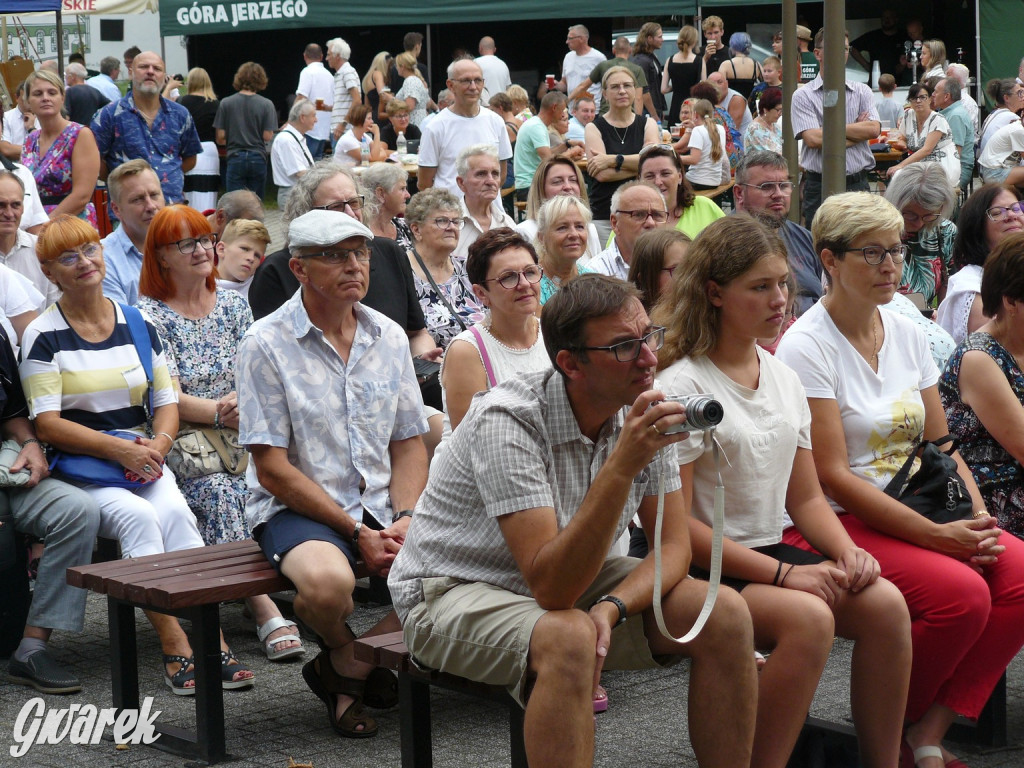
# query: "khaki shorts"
{"points": [[482, 632]]}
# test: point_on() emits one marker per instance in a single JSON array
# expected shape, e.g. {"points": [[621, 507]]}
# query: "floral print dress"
{"points": [[999, 475], [52, 171], [442, 325], [201, 353]]}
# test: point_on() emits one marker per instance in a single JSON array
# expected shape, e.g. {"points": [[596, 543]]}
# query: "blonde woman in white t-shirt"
{"points": [[721, 301]]}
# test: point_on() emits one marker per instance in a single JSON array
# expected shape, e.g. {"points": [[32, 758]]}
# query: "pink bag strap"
{"points": [[484, 356]]}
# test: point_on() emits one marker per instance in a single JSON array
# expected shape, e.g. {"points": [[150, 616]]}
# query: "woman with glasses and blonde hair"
{"points": [[202, 183], [706, 158], [83, 377], [563, 225], [689, 213], [613, 143], [446, 296], [201, 326], [928, 136], [557, 176], [872, 391], [718, 306]]}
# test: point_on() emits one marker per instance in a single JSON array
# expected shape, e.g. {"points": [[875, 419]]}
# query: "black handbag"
{"points": [[936, 490]]}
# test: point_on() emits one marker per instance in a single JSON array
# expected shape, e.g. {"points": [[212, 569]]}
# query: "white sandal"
{"points": [[270, 646]]}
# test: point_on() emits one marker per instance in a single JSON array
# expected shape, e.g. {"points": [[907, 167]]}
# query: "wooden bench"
{"points": [[414, 683], [718, 194], [189, 584]]}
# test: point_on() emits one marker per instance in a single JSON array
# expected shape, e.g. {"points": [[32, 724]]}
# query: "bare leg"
{"points": [[324, 583], [930, 730], [723, 676], [877, 621], [559, 727], [799, 629]]}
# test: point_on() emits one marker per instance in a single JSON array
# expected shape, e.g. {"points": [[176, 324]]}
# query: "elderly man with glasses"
{"points": [[338, 455], [636, 207], [764, 190], [464, 123]]}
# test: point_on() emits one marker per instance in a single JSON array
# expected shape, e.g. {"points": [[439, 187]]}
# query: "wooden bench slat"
{"points": [[368, 648], [254, 561], [186, 580], [217, 590], [86, 575]]}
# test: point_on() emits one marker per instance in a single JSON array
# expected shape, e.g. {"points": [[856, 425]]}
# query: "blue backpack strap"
{"points": [[140, 337]]}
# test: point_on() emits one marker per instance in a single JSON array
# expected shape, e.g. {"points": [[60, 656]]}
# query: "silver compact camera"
{"points": [[703, 412]]}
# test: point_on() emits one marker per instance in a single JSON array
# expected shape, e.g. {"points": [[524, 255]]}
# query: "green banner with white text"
{"points": [[204, 17]]}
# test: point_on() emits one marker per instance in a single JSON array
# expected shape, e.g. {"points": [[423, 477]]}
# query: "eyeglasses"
{"points": [[772, 187], [188, 245], [337, 258], [629, 350], [660, 217], [510, 280], [1000, 212], [89, 251], [443, 222], [875, 254], [620, 86], [655, 147], [913, 218], [468, 81], [920, 97], [355, 203]]}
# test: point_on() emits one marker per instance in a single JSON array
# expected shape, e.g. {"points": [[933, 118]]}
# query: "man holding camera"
{"points": [[505, 577]]}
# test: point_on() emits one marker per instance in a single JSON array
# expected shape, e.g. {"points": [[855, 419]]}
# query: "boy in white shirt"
{"points": [[241, 249]]}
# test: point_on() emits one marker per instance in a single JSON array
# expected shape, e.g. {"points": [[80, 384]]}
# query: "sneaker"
{"points": [[42, 672]]}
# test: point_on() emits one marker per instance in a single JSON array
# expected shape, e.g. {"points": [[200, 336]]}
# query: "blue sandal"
{"points": [[229, 667], [186, 674]]}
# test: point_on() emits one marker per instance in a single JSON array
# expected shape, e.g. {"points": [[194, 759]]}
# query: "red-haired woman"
{"points": [[82, 375], [201, 326]]}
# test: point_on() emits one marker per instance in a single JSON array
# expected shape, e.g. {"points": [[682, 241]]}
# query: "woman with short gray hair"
{"points": [[384, 186], [444, 291], [923, 194]]}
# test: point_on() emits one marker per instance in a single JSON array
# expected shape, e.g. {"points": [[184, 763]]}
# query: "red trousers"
{"points": [[966, 627]]}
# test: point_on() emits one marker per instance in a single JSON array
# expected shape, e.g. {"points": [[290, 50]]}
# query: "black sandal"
{"points": [[327, 684], [186, 674]]}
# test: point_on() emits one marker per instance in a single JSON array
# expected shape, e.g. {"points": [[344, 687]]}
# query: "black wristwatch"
{"points": [[619, 159], [355, 534], [617, 603], [400, 515]]}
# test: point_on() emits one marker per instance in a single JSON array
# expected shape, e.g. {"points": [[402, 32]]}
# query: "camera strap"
{"points": [[718, 525]]}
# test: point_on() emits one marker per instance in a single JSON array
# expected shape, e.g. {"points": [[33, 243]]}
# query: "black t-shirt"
{"points": [[13, 403], [389, 135], [391, 292], [718, 58], [883, 48], [203, 113], [82, 102]]}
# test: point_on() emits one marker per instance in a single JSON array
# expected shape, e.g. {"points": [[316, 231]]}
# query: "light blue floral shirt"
{"points": [[336, 419]]}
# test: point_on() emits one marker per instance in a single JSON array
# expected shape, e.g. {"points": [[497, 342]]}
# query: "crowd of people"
{"points": [[486, 412]]}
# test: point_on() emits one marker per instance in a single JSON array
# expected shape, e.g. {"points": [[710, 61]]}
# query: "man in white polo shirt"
{"points": [[317, 85]]}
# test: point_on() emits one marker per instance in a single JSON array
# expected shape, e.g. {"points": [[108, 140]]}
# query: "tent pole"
{"points": [[3, 31], [979, 88], [790, 78], [430, 58], [833, 161], [60, 46]]}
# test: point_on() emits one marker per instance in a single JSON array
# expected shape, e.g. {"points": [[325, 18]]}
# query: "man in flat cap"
{"points": [[331, 412]]}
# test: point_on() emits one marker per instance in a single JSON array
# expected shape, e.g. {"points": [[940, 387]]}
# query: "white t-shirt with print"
{"points": [[883, 413], [706, 171]]}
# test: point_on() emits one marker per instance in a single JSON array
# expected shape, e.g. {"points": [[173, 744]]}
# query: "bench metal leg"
{"points": [[516, 715], [414, 718], [124, 668], [210, 741]]}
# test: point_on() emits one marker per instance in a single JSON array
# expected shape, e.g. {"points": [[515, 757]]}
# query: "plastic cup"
{"points": [[550, 80]]}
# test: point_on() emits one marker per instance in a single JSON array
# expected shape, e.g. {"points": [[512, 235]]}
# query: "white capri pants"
{"points": [[152, 519]]}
